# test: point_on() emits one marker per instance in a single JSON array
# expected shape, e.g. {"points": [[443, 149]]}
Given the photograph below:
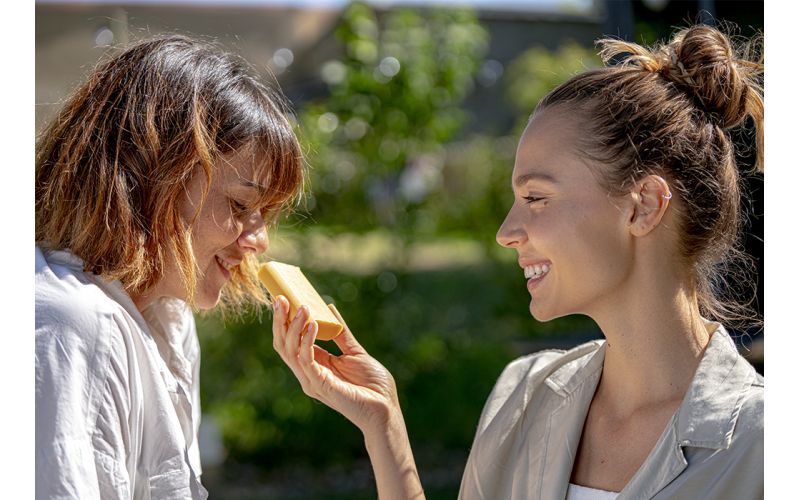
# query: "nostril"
{"points": [[507, 240]]}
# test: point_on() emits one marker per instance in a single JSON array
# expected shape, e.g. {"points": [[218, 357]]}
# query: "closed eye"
{"points": [[238, 207], [532, 199]]}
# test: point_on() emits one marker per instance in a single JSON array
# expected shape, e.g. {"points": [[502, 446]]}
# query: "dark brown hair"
{"points": [[667, 110], [112, 167]]}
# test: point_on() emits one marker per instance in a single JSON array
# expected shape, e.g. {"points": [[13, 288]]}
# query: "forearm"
{"points": [[393, 462]]}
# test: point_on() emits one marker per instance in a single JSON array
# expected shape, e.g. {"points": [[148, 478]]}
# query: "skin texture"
{"points": [[226, 226], [614, 259]]}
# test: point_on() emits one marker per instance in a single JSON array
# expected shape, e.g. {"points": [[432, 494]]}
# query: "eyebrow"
{"points": [[534, 176]]}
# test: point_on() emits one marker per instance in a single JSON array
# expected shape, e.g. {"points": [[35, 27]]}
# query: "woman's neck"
{"points": [[653, 347]]}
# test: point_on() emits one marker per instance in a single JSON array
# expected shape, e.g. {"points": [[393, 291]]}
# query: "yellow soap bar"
{"points": [[288, 280]]}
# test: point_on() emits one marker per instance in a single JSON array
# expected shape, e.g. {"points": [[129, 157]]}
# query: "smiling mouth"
{"points": [[536, 271], [227, 265]]}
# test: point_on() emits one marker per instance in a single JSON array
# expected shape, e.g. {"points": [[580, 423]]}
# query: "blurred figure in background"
{"points": [[626, 210], [153, 185]]}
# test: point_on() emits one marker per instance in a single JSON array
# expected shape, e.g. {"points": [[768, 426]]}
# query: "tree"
{"points": [[375, 143]]}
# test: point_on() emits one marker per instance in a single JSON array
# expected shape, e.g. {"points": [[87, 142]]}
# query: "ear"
{"points": [[651, 196]]}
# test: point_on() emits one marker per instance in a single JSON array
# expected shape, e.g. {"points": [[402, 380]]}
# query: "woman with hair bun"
{"points": [[626, 209], [154, 184]]}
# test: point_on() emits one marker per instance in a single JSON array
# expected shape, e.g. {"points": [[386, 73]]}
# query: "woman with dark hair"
{"points": [[154, 185], [626, 209]]}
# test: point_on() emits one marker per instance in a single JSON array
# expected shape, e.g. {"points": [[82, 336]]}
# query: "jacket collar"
{"points": [[585, 366], [706, 417], [708, 413]]}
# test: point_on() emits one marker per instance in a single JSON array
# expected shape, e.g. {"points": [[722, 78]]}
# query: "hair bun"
{"points": [[702, 60]]}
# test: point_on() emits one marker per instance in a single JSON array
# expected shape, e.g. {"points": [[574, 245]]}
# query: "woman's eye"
{"points": [[238, 207], [532, 199]]}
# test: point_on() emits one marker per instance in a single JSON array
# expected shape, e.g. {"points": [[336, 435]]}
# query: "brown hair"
{"points": [[112, 167], [667, 110]]}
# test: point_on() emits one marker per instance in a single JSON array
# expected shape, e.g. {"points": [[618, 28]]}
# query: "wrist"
{"points": [[384, 426], [392, 460]]}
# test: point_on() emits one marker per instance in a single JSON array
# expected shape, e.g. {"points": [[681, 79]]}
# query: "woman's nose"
{"points": [[510, 234], [254, 235]]}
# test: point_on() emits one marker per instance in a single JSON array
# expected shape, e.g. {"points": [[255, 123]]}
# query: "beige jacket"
{"points": [[528, 434]]}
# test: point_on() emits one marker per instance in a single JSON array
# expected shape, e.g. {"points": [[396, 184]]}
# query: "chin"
{"points": [[205, 302], [543, 314]]}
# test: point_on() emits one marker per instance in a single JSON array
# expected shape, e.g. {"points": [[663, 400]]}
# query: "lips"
{"points": [[226, 265], [534, 282], [535, 271]]}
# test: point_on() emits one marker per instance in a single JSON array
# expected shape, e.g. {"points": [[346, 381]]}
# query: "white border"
{"points": [[781, 244]]}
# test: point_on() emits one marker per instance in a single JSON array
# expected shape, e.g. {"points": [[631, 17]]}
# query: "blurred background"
{"points": [[409, 113]]}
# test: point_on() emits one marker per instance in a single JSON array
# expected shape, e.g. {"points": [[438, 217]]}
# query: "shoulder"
{"points": [[80, 332], [749, 428], [67, 298]]}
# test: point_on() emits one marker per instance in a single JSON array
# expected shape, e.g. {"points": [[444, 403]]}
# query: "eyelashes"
{"points": [[266, 212], [532, 199], [238, 208]]}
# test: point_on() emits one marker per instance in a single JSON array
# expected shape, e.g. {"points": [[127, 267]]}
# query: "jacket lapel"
{"points": [[665, 462], [574, 388]]}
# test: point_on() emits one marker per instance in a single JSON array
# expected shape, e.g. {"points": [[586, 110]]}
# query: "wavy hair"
{"points": [[112, 167]]}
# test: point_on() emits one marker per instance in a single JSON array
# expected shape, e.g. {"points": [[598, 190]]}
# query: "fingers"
{"points": [[307, 344], [346, 342], [279, 312], [323, 357], [291, 342], [286, 340], [318, 374]]}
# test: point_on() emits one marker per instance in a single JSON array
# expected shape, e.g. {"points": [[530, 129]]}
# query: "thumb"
{"points": [[346, 342]]}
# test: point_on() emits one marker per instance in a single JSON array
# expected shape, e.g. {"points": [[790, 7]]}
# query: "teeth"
{"points": [[227, 265], [536, 271]]}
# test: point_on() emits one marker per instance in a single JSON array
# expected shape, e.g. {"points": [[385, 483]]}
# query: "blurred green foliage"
{"points": [[537, 71], [375, 143]]}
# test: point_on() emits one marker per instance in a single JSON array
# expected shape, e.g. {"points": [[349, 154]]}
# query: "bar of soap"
{"points": [[288, 280]]}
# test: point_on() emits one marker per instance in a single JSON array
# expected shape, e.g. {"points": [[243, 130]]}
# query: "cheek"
{"points": [[216, 227], [606, 252]]}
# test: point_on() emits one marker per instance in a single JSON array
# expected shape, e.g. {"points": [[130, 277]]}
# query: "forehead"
{"points": [[245, 168], [549, 147]]}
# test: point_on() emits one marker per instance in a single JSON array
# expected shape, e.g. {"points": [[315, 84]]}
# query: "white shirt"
{"points": [[578, 492], [117, 394]]}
